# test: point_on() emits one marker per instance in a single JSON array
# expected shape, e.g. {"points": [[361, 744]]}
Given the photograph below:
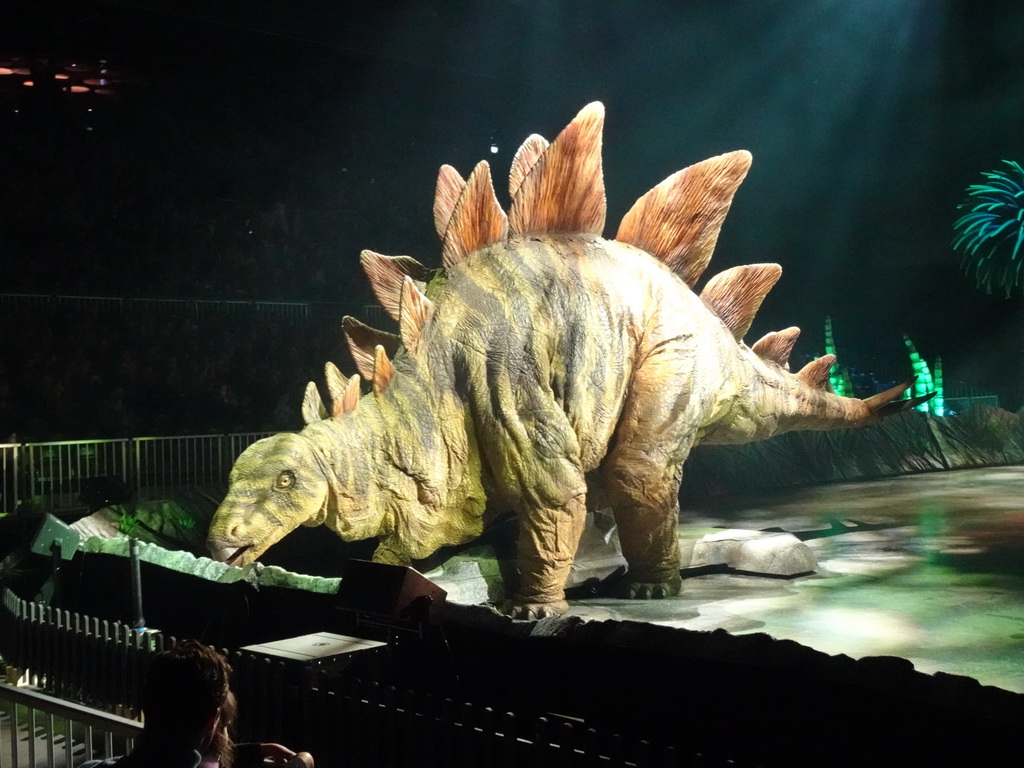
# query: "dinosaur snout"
{"points": [[228, 538], [232, 554]]}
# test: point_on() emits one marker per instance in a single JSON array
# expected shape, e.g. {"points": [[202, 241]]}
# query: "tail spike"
{"points": [[477, 220], [383, 370], [887, 403], [815, 373], [898, 406], [416, 311], [736, 294], [363, 340], [386, 274], [777, 346], [679, 220], [312, 406], [564, 191], [449, 186], [526, 157]]}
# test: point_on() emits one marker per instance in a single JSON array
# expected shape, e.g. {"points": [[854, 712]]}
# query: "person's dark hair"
{"points": [[185, 687]]}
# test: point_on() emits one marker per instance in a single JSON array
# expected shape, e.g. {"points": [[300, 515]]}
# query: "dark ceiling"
{"points": [[867, 122]]}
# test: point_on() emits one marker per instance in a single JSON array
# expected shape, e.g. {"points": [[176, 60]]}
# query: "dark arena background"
{"points": [[185, 189]]}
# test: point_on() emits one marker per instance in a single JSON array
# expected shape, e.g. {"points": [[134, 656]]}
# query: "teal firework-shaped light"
{"points": [[990, 234]]}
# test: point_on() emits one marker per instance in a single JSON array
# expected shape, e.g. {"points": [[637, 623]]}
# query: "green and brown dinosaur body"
{"points": [[544, 369]]}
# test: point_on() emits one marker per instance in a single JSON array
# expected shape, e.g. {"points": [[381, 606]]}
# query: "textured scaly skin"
{"points": [[549, 363]]}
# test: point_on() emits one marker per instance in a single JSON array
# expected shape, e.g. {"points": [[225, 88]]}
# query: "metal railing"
{"points": [[40, 730], [961, 404], [164, 462], [9, 491], [57, 470], [194, 307], [292, 311], [51, 476]]}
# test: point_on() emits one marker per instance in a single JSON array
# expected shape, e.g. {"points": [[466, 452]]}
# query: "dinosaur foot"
{"points": [[533, 611], [648, 590]]}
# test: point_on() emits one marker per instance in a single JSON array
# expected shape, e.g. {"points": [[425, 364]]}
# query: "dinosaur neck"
{"points": [[353, 508], [406, 470], [762, 400]]}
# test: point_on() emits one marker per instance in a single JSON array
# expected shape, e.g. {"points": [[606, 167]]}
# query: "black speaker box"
{"points": [[389, 591]]}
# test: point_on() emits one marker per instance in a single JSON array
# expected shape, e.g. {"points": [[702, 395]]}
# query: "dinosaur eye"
{"points": [[285, 480]]}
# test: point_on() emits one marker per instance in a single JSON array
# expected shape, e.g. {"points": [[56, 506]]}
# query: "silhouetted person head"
{"points": [[187, 700]]}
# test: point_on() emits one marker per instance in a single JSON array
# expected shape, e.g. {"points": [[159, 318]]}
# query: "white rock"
{"points": [[773, 554], [778, 554], [716, 548]]}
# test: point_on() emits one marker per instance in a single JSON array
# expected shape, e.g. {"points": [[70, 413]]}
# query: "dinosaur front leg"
{"points": [[545, 549]]}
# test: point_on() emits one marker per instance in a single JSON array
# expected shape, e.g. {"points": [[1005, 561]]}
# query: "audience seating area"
{"points": [[78, 368]]}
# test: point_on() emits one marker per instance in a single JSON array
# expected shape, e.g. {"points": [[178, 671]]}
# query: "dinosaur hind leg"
{"points": [[642, 472], [645, 500]]}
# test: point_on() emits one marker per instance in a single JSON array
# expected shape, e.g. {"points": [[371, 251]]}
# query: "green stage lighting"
{"points": [[838, 377], [926, 382], [938, 403]]}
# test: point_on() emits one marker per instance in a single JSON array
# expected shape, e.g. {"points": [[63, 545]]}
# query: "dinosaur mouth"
{"points": [[237, 554]]}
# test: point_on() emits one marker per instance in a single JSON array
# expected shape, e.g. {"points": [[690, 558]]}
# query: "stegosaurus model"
{"points": [[543, 368]]}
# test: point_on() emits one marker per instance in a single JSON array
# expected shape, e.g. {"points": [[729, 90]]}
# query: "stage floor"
{"points": [[933, 573]]}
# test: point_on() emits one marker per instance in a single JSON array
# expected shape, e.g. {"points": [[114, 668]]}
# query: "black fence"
{"points": [[342, 721]]}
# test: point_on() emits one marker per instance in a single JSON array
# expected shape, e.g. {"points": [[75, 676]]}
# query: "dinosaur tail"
{"points": [[888, 403]]}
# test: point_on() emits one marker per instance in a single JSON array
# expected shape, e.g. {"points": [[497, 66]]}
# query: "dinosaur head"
{"points": [[277, 484]]}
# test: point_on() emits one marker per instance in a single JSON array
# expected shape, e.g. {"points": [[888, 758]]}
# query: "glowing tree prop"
{"points": [[991, 233], [938, 402], [926, 381], [838, 377]]}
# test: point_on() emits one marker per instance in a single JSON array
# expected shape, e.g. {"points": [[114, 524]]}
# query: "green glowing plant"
{"points": [[185, 522], [926, 382], [127, 523], [991, 232], [838, 377]]}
